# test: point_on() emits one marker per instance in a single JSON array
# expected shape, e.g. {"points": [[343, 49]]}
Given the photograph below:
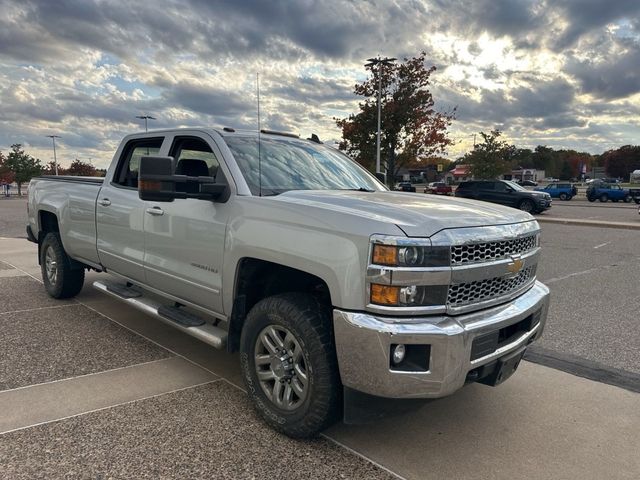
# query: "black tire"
{"points": [[627, 199], [62, 279], [591, 199], [604, 197], [310, 324], [564, 196], [637, 200], [527, 206]]}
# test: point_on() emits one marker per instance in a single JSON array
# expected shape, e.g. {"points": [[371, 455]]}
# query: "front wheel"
{"points": [[564, 196], [526, 206], [61, 279], [627, 198], [289, 364]]}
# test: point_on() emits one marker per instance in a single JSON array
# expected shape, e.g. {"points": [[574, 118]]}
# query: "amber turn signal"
{"points": [[149, 185], [384, 294], [385, 255]]}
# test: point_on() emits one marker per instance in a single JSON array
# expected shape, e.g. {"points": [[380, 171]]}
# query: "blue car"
{"points": [[605, 192], [563, 191]]}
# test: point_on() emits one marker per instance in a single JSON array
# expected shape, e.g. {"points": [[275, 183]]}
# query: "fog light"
{"points": [[398, 354]]}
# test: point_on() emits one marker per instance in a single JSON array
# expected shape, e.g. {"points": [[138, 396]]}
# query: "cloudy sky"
{"points": [[562, 73]]}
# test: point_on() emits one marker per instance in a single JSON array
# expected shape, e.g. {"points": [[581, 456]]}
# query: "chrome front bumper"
{"points": [[363, 344]]}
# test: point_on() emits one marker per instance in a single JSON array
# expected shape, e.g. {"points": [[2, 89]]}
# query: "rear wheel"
{"points": [[526, 206], [627, 198], [60, 277], [289, 364], [564, 196], [604, 197]]}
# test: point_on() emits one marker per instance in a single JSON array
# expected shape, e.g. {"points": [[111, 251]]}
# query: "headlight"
{"points": [[409, 296], [410, 255]]}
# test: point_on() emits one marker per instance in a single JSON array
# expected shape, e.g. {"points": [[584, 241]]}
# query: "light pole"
{"points": [[145, 118], [55, 159], [381, 62]]}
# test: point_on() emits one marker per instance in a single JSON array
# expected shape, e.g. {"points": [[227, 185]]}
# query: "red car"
{"points": [[439, 188]]}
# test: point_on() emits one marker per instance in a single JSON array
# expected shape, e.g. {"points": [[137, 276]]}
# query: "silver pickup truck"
{"points": [[287, 251]]}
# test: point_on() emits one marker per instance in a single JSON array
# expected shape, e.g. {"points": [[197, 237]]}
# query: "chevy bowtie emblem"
{"points": [[515, 265]]}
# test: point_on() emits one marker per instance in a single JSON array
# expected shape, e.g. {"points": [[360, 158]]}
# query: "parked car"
{"points": [[505, 192], [607, 191], [634, 193], [404, 187], [324, 284], [563, 191], [439, 188], [527, 183]]}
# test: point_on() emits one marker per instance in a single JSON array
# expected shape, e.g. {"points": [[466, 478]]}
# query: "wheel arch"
{"points": [[257, 279]]}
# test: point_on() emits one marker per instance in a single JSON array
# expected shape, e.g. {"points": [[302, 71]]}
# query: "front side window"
{"points": [[194, 157], [515, 186], [276, 165]]}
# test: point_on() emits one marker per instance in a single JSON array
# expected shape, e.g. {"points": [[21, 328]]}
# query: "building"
{"points": [[459, 174], [521, 174]]}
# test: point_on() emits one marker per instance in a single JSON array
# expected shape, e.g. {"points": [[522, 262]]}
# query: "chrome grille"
{"points": [[483, 252], [474, 292]]}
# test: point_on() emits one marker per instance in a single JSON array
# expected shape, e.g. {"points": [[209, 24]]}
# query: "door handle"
{"points": [[105, 202], [155, 211]]}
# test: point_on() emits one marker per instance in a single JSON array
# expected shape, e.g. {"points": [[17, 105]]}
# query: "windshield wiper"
{"points": [[361, 189]]}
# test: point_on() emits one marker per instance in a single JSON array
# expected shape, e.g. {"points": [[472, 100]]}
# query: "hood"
{"points": [[418, 215]]}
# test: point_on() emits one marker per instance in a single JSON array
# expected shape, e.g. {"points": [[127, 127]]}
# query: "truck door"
{"points": [[120, 212], [185, 238]]}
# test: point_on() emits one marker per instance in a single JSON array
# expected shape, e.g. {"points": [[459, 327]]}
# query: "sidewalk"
{"points": [[187, 408]]}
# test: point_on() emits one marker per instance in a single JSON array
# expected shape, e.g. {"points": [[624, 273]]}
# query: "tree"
{"points": [[50, 169], [78, 167], [621, 162], [490, 158], [411, 128], [6, 175], [566, 172], [23, 166]]}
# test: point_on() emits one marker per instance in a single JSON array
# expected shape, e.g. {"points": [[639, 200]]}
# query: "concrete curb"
{"points": [[590, 223]]}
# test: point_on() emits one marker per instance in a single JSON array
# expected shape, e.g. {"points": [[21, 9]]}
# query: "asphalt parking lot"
{"points": [[90, 388]]}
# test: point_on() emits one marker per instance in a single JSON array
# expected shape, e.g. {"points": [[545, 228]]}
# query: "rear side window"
{"points": [[487, 186], [129, 163]]}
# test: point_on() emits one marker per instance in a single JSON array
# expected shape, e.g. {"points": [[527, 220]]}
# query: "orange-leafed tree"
{"points": [[6, 175], [411, 128]]}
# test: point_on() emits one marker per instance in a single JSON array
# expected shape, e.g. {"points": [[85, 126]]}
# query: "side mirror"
{"points": [[155, 179]]}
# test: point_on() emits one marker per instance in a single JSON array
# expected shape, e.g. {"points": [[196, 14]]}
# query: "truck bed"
{"points": [[73, 202]]}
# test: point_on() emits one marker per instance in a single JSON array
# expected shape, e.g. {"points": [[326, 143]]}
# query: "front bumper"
{"points": [[544, 203], [363, 345]]}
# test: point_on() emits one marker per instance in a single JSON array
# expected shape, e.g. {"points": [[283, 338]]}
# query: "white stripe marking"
{"points": [[110, 406]]}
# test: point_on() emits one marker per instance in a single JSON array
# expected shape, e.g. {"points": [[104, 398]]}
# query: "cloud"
{"points": [[611, 77], [544, 71]]}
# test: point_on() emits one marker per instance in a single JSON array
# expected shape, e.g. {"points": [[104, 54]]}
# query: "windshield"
{"points": [[515, 186], [291, 164]]}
